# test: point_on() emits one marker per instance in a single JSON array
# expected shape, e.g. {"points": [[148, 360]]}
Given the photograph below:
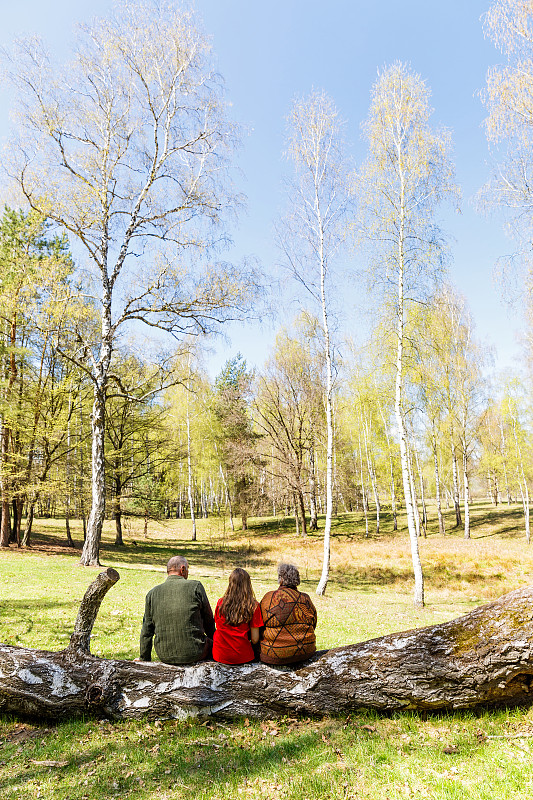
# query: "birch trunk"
{"points": [[413, 493], [70, 541], [467, 492], [393, 497], [371, 473], [418, 598], [189, 461], [507, 490], [10, 376], [90, 555], [484, 658], [363, 491], [422, 494], [456, 500], [442, 524], [392, 486], [321, 588], [313, 522], [522, 482]]}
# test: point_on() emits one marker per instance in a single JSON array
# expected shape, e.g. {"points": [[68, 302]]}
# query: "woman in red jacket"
{"points": [[238, 620]]}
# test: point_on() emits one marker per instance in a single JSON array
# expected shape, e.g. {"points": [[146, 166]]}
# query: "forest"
{"points": [[113, 284], [379, 451]]}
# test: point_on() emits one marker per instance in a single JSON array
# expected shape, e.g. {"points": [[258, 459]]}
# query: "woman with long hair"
{"points": [[238, 620]]}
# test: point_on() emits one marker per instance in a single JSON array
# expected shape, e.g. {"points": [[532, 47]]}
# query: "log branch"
{"points": [[89, 608], [484, 658]]}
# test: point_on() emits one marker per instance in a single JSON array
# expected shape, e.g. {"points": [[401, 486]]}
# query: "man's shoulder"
{"points": [[175, 586], [154, 590], [189, 587], [197, 586]]}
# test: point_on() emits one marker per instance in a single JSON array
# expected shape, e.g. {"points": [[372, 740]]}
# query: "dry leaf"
{"points": [[49, 763], [450, 748]]}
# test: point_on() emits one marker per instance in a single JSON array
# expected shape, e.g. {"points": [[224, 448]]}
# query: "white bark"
{"points": [[522, 481], [442, 525], [466, 492], [125, 148], [456, 500], [313, 234], [324, 577], [406, 175], [418, 598], [189, 458], [484, 658], [363, 491]]}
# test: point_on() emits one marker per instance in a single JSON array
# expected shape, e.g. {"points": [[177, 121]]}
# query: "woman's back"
{"points": [[237, 619], [290, 618]]}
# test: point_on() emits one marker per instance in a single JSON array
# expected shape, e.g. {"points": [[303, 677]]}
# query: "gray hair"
{"points": [[288, 575], [176, 563]]}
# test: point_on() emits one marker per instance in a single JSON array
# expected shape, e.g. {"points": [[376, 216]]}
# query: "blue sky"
{"points": [[270, 53]]}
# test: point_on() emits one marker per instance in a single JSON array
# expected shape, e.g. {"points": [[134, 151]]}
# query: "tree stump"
{"points": [[484, 658]]}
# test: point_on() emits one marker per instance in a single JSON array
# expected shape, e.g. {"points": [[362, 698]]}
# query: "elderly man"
{"points": [[178, 618]]}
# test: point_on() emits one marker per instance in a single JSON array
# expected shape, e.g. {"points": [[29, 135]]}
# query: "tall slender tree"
{"points": [[508, 97], [407, 174], [312, 233], [127, 149]]}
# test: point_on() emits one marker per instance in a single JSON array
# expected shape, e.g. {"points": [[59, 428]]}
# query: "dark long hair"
{"points": [[238, 604]]}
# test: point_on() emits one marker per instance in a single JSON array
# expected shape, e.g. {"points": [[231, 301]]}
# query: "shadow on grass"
{"points": [[39, 604], [199, 554], [367, 578], [133, 763]]}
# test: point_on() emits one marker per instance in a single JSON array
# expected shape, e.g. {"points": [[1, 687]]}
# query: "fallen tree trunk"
{"points": [[482, 659]]}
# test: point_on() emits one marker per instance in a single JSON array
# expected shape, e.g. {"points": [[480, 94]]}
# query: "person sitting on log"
{"points": [[238, 621], [289, 617], [178, 618]]}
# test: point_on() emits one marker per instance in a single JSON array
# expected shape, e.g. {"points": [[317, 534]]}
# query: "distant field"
{"points": [[370, 594]]}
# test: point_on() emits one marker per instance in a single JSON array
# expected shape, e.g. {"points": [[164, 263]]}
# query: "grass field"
{"points": [[463, 755]]}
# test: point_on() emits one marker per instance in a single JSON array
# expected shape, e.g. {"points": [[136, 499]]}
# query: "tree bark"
{"points": [[484, 658], [313, 522], [301, 502], [456, 503], [189, 458], [26, 536], [90, 556], [466, 492], [442, 524]]}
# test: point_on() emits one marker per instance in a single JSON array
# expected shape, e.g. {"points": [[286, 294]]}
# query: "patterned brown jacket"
{"points": [[290, 620]]}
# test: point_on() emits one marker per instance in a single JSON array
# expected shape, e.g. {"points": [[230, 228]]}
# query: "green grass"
{"points": [[462, 755]]}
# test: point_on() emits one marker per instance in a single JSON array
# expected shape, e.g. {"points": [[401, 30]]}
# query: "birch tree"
{"points": [[517, 438], [407, 174], [126, 148], [508, 97], [287, 414], [311, 235]]}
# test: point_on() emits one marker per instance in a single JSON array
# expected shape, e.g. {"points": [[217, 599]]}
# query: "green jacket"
{"points": [[178, 617]]}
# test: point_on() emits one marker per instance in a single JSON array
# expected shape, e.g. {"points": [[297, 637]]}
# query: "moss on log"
{"points": [[484, 658]]}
